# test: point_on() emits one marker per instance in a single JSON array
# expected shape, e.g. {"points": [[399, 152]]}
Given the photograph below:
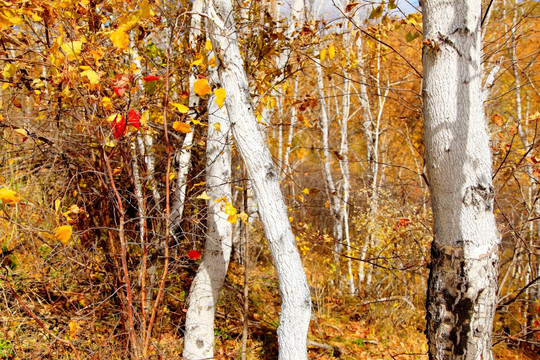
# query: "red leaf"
{"points": [[119, 127], [151, 78], [194, 254], [134, 118], [403, 222], [119, 91]]}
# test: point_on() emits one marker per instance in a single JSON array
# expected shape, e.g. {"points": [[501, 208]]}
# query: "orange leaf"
{"points": [[497, 119], [201, 87], [182, 127]]}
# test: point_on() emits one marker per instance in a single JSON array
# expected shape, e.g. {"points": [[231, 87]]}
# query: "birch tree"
{"points": [[296, 301], [204, 294], [461, 295]]}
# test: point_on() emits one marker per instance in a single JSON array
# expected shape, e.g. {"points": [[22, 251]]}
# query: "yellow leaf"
{"points": [[212, 61], [203, 196], [208, 45], [331, 51], [5, 86], [181, 127], [36, 17], [146, 11], [217, 126], [220, 96], [92, 76], [322, 55], [107, 104], [9, 70], [73, 328], [144, 118], [201, 87], [57, 204], [63, 233], [72, 49], [198, 60], [231, 211], [22, 132], [120, 38], [306, 191], [8, 196], [114, 117], [181, 108]]}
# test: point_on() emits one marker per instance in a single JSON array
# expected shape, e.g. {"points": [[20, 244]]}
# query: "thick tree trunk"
{"points": [[296, 301], [204, 294], [461, 295]]}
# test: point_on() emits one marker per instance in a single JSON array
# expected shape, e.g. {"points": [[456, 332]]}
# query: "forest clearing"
{"points": [[273, 179]]}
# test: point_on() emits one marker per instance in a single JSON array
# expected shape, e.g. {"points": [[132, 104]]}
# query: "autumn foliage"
{"points": [[94, 112]]}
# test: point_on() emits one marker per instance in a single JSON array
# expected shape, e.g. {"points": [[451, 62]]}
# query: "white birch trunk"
{"points": [[296, 301], [183, 155], [330, 186], [344, 166], [204, 294], [462, 285]]}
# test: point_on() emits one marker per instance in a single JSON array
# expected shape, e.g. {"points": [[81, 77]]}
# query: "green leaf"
{"points": [[376, 12], [411, 36]]}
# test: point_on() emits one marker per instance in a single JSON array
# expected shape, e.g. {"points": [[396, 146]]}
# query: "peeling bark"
{"points": [[462, 285]]}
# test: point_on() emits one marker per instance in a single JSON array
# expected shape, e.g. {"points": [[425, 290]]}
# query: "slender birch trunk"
{"points": [[204, 294], [183, 155], [461, 295], [296, 301], [330, 185]]}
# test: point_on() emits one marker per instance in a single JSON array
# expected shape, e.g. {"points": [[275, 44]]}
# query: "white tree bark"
{"points": [[296, 301], [462, 284], [330, 185], [204, 294], [183, 155]]}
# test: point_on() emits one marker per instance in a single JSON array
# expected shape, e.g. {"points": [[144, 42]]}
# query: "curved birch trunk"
{"points": [[296, 301], [204, 294], [462, 284]]}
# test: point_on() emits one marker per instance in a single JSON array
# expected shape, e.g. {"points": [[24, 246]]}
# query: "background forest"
{"points": [[104, 121]]}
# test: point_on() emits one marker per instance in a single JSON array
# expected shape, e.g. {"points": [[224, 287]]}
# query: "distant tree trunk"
{"points": [[183, 155], [462, 284], [333, 199], [204, 294], [296, 301]]}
